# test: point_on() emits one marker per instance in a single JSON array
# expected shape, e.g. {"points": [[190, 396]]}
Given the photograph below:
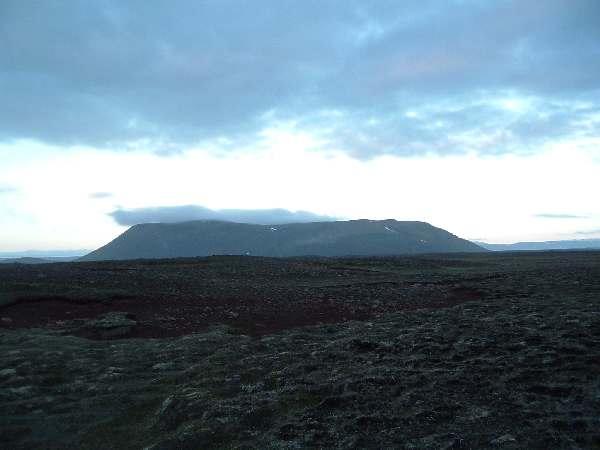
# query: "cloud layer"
{"points": [[368, 78], [171, 214], [560, 216], [7, 189], [100, 195]]}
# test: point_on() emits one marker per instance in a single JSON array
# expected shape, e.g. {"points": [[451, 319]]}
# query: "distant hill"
{"points": [[24, 260], [578, 244], [45, 254], [32, 260], [341, 238]]}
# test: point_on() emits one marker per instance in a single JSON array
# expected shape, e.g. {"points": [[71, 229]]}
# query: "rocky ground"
{"points": [[462, 351]]}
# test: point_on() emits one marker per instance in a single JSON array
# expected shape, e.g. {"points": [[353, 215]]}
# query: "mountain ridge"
{"points": [[569, 244], [361, 237]]}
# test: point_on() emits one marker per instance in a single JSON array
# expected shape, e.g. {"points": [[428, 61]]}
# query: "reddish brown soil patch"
{"points": [[256, 296], [165, 317]]}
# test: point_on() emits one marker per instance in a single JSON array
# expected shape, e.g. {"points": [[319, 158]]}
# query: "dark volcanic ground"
{"points": [[460, 351]]}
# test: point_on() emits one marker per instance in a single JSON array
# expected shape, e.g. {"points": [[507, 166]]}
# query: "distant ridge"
{"points": [[45, 254], [33, 260], [24, 260], [575, 244], [341, 238]]}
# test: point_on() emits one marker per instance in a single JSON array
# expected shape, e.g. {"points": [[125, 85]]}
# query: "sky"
{"points": [[480, 117]]}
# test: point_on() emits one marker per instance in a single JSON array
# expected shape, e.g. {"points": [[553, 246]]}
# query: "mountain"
{"points": [[578, 244], [341, 238]]}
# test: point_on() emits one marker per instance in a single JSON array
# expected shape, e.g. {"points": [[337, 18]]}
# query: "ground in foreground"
{"points": [[462, 351]]}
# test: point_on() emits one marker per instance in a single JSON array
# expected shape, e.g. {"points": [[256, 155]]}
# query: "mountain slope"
{"points": [[342, 238]]}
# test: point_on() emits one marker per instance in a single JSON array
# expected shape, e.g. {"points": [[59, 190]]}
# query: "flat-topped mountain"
{"points": [[341, 238]]}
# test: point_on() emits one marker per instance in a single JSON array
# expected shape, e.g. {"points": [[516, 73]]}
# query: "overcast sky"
{"points": [[480, 117]]}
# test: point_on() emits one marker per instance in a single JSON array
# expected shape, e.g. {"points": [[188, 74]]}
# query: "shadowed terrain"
{"points": [[435, 351]]}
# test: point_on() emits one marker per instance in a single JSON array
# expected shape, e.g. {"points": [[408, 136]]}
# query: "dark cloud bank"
{"points": [[172, 214], [400, 77]]}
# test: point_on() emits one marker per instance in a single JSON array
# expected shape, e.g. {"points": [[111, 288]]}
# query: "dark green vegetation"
{"points": [[458, 351], [353, 237]]}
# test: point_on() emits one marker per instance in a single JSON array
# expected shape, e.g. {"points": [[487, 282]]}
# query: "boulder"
{"points": [[111, 325]]}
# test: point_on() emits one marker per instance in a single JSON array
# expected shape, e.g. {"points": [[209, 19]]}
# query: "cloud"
{"points": [[589, 232], [100, 195], [560, 216], [7, 189], [171, 214], [403, 78]]}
